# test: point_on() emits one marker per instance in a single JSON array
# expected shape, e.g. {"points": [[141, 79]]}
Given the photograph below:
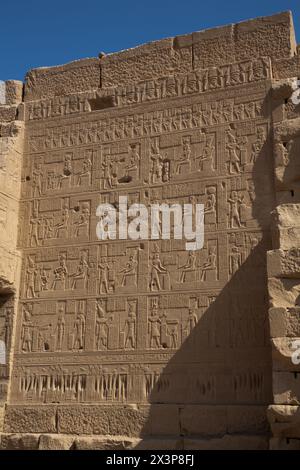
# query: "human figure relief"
{"points": [[130, 269], [60, 329], [234, 212], [37, 175], [109, 170], [173, 334], [43, 279], [191, 321], [86, 169], [6, 332], [209, 264], [154, 329], [134, 158], [83, 222], [258, 144], [81, 273], [156, 269], [130, 328], [35, 223], [235, 260], [103, 267], [60, 273], [189, 266], [232, 149], [102, 328], [185, 157], [67, 171], [63, 225], [207, 154], [31, 278], [211, 201], [79, 332], [27, 329]]}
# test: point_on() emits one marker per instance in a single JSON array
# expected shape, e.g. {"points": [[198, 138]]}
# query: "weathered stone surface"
{"points": [[203, 420], [282, 263], [284, 421], [19, 441], [286, 229], [105, 443], [8, 113], [283, 352], [139, 342], [55, 442], [247, 419], [26, 419], [286, 387], [284, 322], [110, 420], [284, 444], [147, 62], [13, 92], [238, 442], [75, 77]]}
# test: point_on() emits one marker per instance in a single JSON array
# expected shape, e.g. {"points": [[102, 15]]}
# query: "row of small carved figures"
{"points": [[166, 87]]}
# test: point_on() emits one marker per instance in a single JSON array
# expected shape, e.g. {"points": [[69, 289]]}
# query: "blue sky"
{"points": [[36, 33]]}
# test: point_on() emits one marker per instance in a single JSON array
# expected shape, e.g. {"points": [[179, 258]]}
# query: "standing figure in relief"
{"points": [[8, 325], [86, 170], [31, 275], [79, 327], [235, 260], [101, 328], [235, 202], [154, 329], [192, 321], [60, 329], [34, 228], [232, 147], [37, 175], [103, 267], [27, 330], [130, 328], [156, 269]]}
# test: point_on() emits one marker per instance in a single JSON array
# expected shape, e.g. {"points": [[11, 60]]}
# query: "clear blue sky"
{"points": [[35, 33]]}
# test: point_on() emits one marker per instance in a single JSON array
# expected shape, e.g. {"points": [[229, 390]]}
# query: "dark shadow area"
{"points": [[225, 362]]}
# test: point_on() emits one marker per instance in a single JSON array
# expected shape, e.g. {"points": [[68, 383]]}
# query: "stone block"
{"points": [[25, 419]]}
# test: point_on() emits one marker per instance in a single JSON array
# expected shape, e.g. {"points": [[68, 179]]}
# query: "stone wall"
{"points": [[11, 151], [141, 344]]}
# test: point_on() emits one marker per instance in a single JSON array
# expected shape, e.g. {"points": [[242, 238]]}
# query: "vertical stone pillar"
{"points": [[284, 271], [11, 150]]}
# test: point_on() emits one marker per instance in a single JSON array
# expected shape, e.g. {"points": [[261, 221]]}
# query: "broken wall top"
{"points": [[271, 36]]}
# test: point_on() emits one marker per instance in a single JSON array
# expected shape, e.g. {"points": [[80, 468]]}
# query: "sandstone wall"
{"points": [[11, 151], [109, 346]]}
